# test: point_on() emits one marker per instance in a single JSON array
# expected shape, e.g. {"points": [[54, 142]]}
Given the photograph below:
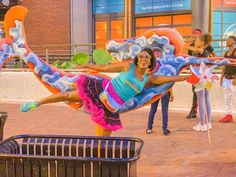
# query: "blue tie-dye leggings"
{"points": [[204, 109]]}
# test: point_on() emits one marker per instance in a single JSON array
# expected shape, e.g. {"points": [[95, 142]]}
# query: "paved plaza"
{"points": [[184, 153]]}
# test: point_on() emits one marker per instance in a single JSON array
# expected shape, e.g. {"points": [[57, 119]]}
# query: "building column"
{"points": [[128, 21], [201, 15], [81, 24]]}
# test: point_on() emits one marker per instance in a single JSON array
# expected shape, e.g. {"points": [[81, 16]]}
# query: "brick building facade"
{"points": [[48, 22]]}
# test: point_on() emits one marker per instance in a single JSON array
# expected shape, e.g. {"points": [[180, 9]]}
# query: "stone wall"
{"points": [[24, 85]]}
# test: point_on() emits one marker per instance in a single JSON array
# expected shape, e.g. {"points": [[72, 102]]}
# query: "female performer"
{"points": [[103, 98]]}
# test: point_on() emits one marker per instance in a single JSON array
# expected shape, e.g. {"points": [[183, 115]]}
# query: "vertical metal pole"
{"points": [[21, 63], [74, 49], [47, 58], [211, 17], [3, 118], [206, 116]]}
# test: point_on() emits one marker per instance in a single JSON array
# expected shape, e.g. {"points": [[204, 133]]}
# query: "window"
{"points": [[182, 23], [109, 17], [106, 30], [150, 6], [108, 6], [117, 29], [224, 23], [101, 33]]}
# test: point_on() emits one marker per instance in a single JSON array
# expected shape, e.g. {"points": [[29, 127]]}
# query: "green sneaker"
{"points": [[25, 107]]}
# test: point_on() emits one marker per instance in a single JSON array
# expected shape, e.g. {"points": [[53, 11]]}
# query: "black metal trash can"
{"points": [[3, 118], [69, 156]]}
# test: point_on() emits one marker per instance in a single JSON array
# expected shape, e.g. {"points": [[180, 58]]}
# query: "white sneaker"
{"points": [[200, 127], [209, 125]]}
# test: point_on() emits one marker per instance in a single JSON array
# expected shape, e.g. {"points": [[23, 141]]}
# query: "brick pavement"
{"points": [[185, 153]]}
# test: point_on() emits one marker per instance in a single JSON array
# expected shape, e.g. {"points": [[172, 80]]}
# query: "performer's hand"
{"points": [[192, 79]]}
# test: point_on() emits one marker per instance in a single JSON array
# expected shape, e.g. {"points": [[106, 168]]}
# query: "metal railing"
{"points": [[55, 51], [65, 52], [51, 53], [3, 118]]}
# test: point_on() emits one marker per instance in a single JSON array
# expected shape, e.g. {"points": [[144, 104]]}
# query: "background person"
{"points": [[193, 111], [209, 47], [165, 99], [203, 94], [228, 80]]}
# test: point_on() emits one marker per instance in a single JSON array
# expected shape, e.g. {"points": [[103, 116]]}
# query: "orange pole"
{"points": [[126, 19], [211, 8], [130, 15]]}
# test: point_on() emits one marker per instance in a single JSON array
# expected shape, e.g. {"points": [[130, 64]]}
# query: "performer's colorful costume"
{"points": [[103, 98], [168, 41]]}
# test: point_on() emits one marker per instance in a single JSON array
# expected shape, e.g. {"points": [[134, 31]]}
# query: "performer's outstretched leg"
{"points": [[71, 96], [101, 131]]}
